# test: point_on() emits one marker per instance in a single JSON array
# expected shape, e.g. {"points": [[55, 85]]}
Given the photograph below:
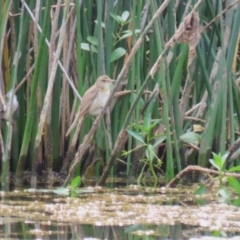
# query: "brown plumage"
{"points": [[93, 101]]}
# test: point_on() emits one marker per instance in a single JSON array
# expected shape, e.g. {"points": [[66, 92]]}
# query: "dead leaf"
{"points": [[189, 32], [198, 128]]}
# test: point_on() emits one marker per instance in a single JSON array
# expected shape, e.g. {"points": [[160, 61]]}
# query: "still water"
{"points": [[129, 212]]}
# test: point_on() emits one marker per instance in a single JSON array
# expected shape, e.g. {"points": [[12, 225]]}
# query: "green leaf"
{"points": [[155, 122], [215, 164], [236, 202], [125, 15], [217, 161], [200, 190], [76, 182], [234, 183], [136, 136], [138, 126], [150, 152], [124, 153], [159, 140], [135, 31], [61, 191], [147, 122], [86, 46], [224, 157], [116, 17], [126, 35], [225, 195], [129, 33], [234, 169], [158, 162], [117, 53], [92, 40], [102, 24], [190, 137]]}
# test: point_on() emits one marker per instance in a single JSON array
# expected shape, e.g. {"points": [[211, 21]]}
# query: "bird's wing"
{"points": [[87, 99]]}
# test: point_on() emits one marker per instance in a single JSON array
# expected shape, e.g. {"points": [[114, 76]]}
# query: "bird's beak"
{"points": [[111, 80]]}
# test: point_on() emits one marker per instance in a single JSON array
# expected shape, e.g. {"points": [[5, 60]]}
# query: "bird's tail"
{"points": [[77, 118], [76, 133], [72, 146]]}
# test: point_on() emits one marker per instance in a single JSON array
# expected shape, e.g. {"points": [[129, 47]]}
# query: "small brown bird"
{"points": [[93, 100]]}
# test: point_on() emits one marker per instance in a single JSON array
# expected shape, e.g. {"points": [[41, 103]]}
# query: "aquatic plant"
{"points": [[146, 139], [218, 162]]}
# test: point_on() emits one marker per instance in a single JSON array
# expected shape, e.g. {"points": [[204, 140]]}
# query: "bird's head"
{"points": [[104, 82]]}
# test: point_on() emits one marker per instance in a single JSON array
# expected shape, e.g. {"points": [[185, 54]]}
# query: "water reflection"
{"points": [[131, 212]]}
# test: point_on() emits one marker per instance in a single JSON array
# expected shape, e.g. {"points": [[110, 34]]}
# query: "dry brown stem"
{"points": [[199, 169]]}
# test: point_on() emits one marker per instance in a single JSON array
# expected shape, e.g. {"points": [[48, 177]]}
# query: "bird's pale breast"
{"points": [[98, 103]]}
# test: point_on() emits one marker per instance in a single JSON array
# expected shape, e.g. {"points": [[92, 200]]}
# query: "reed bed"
{"points": [[176, 65]]}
